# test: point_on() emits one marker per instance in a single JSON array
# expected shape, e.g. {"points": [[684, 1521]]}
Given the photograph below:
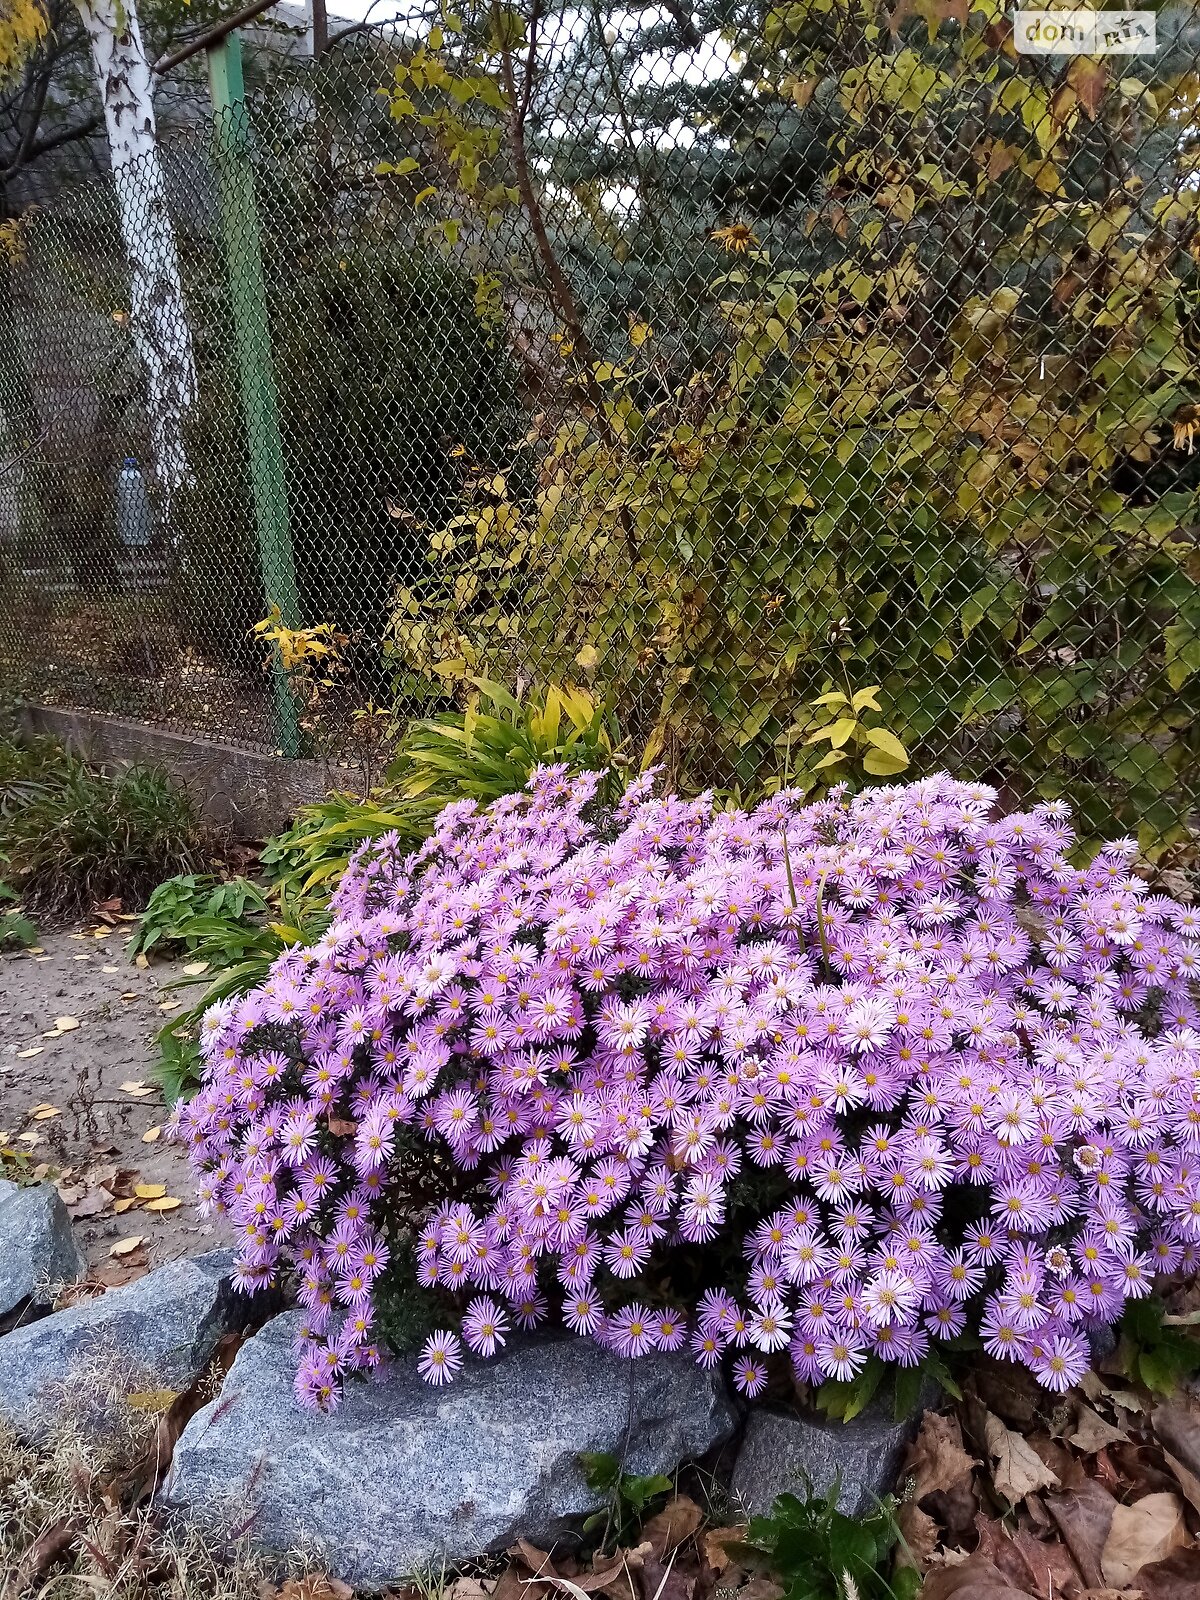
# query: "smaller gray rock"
{"points": [[403, 1477], [159, 1331], [37, 1247], [783, 1452]]}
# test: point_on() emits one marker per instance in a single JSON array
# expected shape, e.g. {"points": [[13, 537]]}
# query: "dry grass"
{"points": [[76, 1512]]}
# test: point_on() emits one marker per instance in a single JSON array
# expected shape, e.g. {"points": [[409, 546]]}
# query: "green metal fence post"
{"points": [[248, 298]]}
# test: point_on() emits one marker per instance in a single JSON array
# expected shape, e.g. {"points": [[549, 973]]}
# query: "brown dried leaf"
{"points": [[715, 1540], [1084, 1517], [49, 1546], [466, 1589], [1089, 79], [1177, 1428], [1017, 1468], [677, 1521], [760, 1588], [92, 1204], [314, 1588], [1189, 1483], [661, 1582], [1092, 1433], [936, 1459], [1176, 1578], [919, 1535], [1142, 1533], [973, 1579]]}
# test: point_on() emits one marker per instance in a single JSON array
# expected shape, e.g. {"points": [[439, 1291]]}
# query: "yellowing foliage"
{"points": [[22, 29]]}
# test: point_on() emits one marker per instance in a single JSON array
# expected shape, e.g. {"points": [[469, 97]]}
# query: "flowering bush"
{"points": [[839, 1079]]}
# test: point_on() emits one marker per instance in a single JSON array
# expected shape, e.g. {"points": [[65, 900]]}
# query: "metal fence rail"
{"points": [[721, 360]]}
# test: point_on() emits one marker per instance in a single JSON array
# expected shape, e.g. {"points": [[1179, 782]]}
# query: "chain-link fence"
{"points": [[720, 360]]}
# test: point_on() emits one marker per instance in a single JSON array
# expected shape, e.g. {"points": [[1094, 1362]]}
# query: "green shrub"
{"points": [[72, 834], [186, 911], [493, 746], [16, 930], [819, 1553]]}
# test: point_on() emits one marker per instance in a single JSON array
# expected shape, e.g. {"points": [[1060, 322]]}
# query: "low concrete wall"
{"points": [[248, 792]]}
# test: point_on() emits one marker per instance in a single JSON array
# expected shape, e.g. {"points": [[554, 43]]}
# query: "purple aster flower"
{"points": [[441, 1358]]}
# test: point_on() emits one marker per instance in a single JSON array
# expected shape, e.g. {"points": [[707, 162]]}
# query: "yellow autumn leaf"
{"points": [[883, 739], [166, 1203], [125, 1247], [149, 1191]]}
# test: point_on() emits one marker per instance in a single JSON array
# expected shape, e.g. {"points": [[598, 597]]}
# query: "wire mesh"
{"points": [[720, 360]]}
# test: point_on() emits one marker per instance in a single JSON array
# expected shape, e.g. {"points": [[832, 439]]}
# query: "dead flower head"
{"points": [[1186, 422], [737, 238]]}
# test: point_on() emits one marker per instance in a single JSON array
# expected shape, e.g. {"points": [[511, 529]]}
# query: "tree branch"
{"points": [[53, 141]]}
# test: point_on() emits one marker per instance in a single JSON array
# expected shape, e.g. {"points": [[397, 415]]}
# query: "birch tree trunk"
{"points": [[158, 318]]}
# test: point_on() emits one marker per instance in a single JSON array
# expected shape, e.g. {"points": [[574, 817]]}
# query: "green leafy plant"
{"points": [[819, 1553], [1156, 1348], [628, 1498], [237, 953], [16, 930], [856, 747], [312, 853], [493, 746], [72, 834], [184, 911], [843, 1401]]}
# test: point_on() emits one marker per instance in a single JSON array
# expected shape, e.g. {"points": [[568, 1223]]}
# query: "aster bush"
{"points": [[844, 1080]]}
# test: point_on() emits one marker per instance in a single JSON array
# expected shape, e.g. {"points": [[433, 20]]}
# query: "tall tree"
{"points": [[158, 315]]}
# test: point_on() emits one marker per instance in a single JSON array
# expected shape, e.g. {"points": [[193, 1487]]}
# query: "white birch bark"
{"points": [[157, 314]]}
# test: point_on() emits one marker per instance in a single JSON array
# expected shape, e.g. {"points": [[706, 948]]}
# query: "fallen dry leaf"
{"points": [[761, 1588], [715, 1540], [45, 1113], [124, 1204], [151, 1134], [195, 968], [66, 1024], [1176, 1578], [93, 1204], [1084, 1516], [1142, 1533], [1177, 1428], [167, 1202], [1092, 1433], [677, 1521], [124, 1247], [34, 1050], [919, 1535], [463, 1589], [1017, 1468], [149, 1191], [151, 1399], [936, 1459], [973, 1579], [1189, 1483]]}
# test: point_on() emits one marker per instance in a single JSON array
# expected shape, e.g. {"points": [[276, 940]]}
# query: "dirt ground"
{"points": [[78, 1102]]}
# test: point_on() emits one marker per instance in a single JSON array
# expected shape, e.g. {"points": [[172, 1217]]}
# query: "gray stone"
{"points": [[784, 1452], [160, 1330], [37, 1247], [403, 1476]]}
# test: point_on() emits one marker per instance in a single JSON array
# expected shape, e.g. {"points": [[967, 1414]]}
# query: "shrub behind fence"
{"points": [[719, 361]]}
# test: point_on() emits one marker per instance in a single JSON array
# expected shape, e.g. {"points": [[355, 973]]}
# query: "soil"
{"points": [[79, 1103]]}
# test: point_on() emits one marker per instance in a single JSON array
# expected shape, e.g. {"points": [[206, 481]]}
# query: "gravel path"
{"points": [[78, 1099]]}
